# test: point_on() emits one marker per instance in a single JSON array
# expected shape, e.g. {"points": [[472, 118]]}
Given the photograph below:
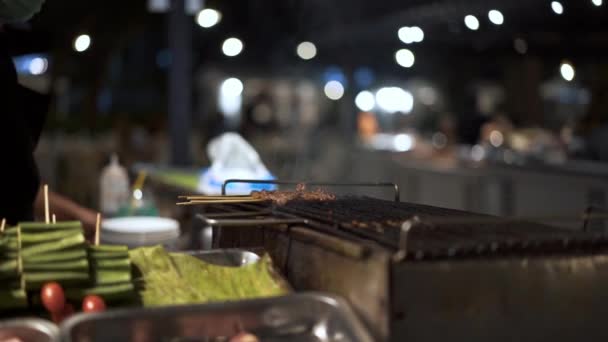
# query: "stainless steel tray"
{"points": [[298, 317], [29, 330], [225, 257]]}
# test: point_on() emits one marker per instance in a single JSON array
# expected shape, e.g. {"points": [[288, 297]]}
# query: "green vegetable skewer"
{"points": [[109, 248], [111, 263], [103, 277], [40, 237], [64, 243], [64, 255], [108, 255], [27, 227], [35, 280], [73, 265]]}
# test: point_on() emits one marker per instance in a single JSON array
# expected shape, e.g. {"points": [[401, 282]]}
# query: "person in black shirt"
{"points": [[21, 120], [22, 116]]}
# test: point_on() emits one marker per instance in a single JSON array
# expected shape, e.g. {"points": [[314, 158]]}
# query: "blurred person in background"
{"points": [[22, 116]]}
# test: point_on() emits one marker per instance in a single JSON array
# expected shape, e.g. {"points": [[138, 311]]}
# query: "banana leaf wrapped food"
{"points": [[170, 279]]}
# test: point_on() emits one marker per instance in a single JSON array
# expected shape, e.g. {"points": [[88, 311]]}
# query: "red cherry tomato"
{"points": [[52, 297], [93, 304]]}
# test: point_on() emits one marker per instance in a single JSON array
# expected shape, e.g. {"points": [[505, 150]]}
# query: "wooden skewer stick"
{"points": [[213, 196], [229, 200], [203, 198], [197, 202], [2, 225], [54, 219], [47, 218], [97, 226]]}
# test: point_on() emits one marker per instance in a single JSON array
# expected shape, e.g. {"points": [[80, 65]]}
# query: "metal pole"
{"points": [[180, 83]]}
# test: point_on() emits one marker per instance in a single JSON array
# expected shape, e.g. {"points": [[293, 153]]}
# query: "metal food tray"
{"points": [[29, 330], [297, 317], [225, 257]]}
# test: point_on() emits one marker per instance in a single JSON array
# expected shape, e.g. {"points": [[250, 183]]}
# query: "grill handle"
{"points": [[406, 226], [395, 187]]}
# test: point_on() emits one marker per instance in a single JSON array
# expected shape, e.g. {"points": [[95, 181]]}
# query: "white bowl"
{"points": [[139, 231]]}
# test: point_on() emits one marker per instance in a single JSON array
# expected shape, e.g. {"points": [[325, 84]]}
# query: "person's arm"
{"points": [[66, 209]]}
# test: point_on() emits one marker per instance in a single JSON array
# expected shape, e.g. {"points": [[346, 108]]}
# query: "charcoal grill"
{"points": [[422, 273]]}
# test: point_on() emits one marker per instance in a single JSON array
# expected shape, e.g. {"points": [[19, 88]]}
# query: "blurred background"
{"points": [[492, 106]]}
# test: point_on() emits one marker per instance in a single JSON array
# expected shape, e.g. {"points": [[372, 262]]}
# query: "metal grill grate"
{"points": [[412, 231], [435, 232]]}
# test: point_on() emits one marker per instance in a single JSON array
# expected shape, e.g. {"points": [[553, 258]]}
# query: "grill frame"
{"points": [[416, 232], [463, 297]]}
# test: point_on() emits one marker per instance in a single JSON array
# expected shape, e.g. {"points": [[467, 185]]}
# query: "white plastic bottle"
{"points": [[113, 187]]}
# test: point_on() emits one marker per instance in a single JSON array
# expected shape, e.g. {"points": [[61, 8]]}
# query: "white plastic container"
{"points": [[113, 187], [137, 231]]}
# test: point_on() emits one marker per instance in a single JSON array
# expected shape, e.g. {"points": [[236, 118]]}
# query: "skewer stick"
{"points": [[202, 198], [54, 219], [97, 226], [191, 197], [252, 199], [2, 225], [196, 202], [47, 218]]}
